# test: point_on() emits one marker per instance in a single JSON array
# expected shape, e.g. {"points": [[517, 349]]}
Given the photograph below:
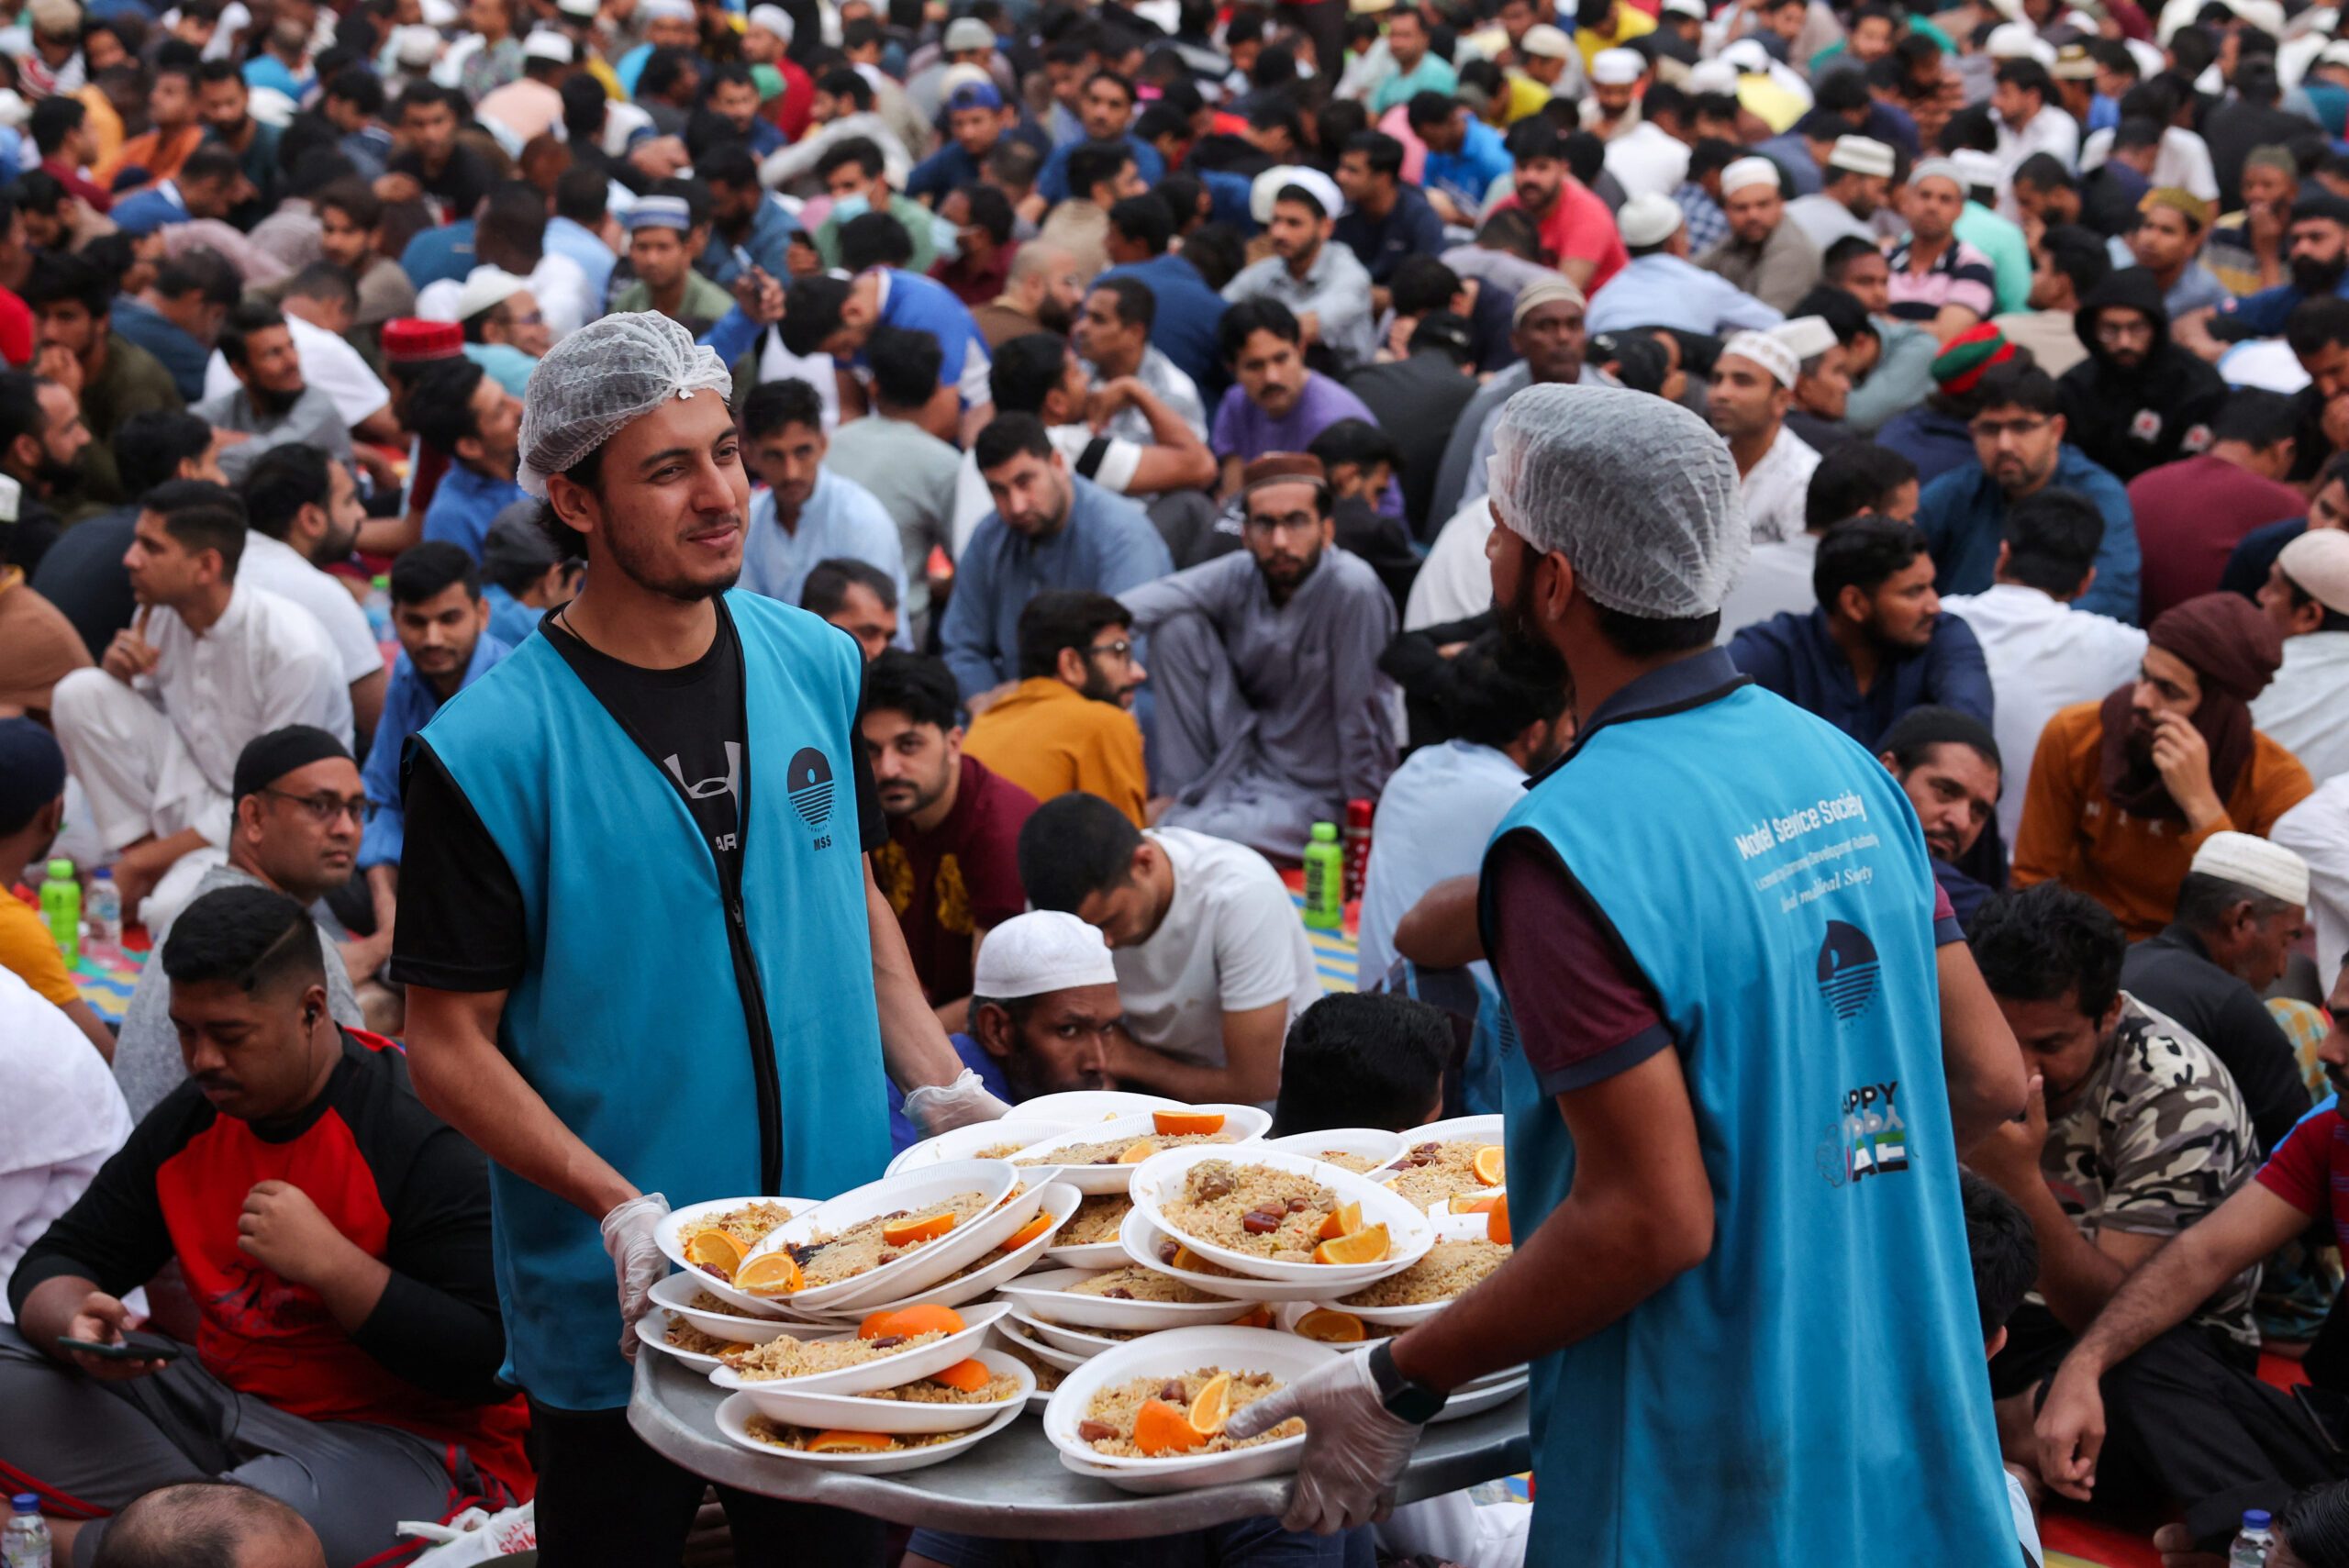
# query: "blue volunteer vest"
{"points": [[1815, 1391], [633, 1020]]}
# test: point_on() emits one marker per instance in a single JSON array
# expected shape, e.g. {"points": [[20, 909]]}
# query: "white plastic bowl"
{"points": [[853, 1413], [1409, 1231], [1140, 1241], [888, 1371], [1009, 1327], [926, 1264], [675, 1293], [735, 1409], [1060, 1336], [1051, 1296], [1170, 1354], [1246, 1124], [1057, 1199], [1075, 1105], [1486, 1129], [653, 1325], [1369, 1143], [964, 1143], [666, 1234], [1091, 1254]]}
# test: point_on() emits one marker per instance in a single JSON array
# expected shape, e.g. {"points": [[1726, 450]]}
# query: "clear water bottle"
{"points": [[2250, 1550], [60, 906], [102, 907], [24, 1543], [379, 607]]}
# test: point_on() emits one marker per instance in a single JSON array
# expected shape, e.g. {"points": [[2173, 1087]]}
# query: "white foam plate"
{"points": [[735, 1409], [674, 1293], [926, 1264], [1091, 1255], [966, 1142], [1470, 1400], [1246, 1124], [1409, 1231], [905, 1366], [653, 1325], [1076, 1105], [1057, 1199], [1369, 1143], [1140, 1241], [1009, 1327], [1486, 1129], [1060, 1336], [1180, 1350], [676, 1219], [853, 1413], [1049, 1296]]}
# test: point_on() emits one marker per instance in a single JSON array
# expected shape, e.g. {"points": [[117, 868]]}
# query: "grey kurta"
{"points": [[1269, 718]]}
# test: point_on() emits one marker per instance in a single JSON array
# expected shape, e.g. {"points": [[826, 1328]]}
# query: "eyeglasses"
{"points": [[535, 318], [1991, 429], [1117, 649], [2110, 331], [325, 808]]}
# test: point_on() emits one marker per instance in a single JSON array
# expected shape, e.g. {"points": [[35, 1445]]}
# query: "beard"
{"points": [[55, 478], [639, 565], [273, 402], [2311, 276], [1053, 316], [1525, 653]]}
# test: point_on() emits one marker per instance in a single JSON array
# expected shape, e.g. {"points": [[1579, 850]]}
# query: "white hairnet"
{"points": [[610, 373], [1638, 494]]}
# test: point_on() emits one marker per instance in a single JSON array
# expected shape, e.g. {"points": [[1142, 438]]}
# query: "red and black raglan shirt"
{"points": [[408, 1188], [2310, 1169]]}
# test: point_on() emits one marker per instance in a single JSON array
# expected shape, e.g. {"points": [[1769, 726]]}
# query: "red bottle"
{"points": [[1357, 842]]}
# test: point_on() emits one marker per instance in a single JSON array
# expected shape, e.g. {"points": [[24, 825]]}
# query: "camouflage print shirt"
{"points": [[2158, 1138]]}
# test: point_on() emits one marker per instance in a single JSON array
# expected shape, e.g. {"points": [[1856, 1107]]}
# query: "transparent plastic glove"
{"points": [[937, 1109], [637, 1261], [1354, 1451]]}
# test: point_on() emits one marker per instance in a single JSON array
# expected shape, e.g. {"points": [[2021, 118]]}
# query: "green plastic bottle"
{"points": [[1325, 879], [61, 906]]}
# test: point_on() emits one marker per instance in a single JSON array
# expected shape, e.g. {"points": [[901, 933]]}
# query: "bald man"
{"points": [[1042, 293]]}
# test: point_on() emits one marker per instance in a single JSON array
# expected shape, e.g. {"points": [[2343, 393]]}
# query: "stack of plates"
{"points": [[828, 1401], [1284, 1356], [1158, 1181]]}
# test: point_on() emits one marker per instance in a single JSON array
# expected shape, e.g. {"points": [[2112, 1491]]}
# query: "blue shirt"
{"points": [[465, 505], [1433, 74], [1469, 173], [510, 620], [2262, 315], [1052, 180], [904, 1135], [841, 518], [178, 352], [1658, 290], [1108, 544], [265, 70], [409, 702], [630, 66], [1409, 229], [1964, 515], [768, 241], [575, 241], [922, 305], [437, 253], [507, 365], [1189, 314], [1796, 656], [149, 210], [948, 169], [1934, 441]]}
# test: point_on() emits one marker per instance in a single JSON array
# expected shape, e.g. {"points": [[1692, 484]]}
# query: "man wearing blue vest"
{"points": [[643, 953], [1745, 1053]]}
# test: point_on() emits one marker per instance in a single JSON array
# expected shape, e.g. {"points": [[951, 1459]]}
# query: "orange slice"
{"points": [[1137, 1151], [1497, 1224], [1257, 1316], [1177, 1123], [1212, 1405], [922, 1318], [1161, 1428], [1343, 1220], [1489, 1164], [715, 1250], [1362, 1247], [1186, 1259], [776, 1274], [970, 1376], [1331, 1326], [1027, 1233], [851, 1442], [906, 1232], [1463, 1204]]}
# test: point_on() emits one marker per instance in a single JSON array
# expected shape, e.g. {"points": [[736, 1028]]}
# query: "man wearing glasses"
{"points": [[2138, 400], [2020, 450], [1068, 725], [1272, 712], [298, 814]]}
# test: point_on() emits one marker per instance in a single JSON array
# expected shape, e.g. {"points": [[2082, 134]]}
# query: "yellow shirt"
{"points": [[1629, 24], [27, 948], [1049, 738], [1526, 97]]}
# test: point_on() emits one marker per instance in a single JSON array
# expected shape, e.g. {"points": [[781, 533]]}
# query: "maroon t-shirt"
{"points": [[2191, 516], [963, 876]]}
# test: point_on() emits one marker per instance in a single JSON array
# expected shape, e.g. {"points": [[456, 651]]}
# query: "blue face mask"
{"points": [[945, 238], [850, 206]]}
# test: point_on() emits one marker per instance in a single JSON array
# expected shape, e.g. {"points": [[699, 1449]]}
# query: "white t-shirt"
{"points": [[277, 566], [60, 1117], [1112, 467], [1455, 581], [1777, 578], [1231, 941], [328, 363], [1435, 816]]}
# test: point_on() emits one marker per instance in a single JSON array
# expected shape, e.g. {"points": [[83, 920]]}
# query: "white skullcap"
{"points": [[1749, 172], [964, 33], [1545, 42], [1268, 185], [580, 10], [1638, 493], [1542, 292], [1937, 169], [437, 14], [1807, 336], [1747, 55], [1616, 67], [772, 18], [545, 45], [1772, 353], [415, 47], [486, 288], [1695, 9], [1976, 168], [2248, 860], [1862, 155], [665, 11], [2012, 41], [604, 377], [1041, 952], [1648, 220], [2319, 561], [14, 111], [1712, 76]]}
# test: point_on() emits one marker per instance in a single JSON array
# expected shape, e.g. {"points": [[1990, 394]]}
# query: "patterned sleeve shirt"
{"points": [[2157, 1139]]}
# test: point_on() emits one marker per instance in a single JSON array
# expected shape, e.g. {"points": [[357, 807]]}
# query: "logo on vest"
{"points": [[1847, 969], [810, 787], [1867, 1139], [728, 784]]}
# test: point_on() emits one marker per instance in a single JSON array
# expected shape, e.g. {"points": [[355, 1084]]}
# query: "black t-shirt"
{"points": [[461, 184], [83, 574], [462, 926]]}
